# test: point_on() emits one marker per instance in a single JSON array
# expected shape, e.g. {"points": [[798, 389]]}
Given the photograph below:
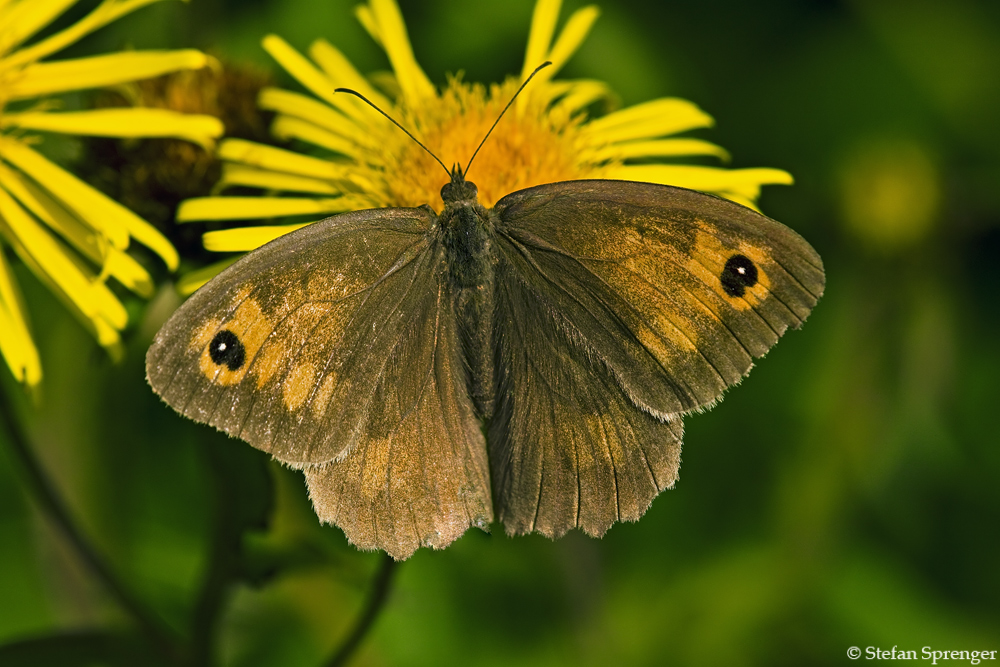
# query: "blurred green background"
{"points": [[847, 493]]}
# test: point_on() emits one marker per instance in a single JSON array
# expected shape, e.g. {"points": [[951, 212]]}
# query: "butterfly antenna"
{"points": [[530, 77], [393, 121]]}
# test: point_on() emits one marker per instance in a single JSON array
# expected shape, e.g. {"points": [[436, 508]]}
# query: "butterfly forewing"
{"points": [[260, 351], [675, 291]]}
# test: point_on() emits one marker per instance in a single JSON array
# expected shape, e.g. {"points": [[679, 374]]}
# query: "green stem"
{"points": [[376, 601], [223, 562], [41, 488]]}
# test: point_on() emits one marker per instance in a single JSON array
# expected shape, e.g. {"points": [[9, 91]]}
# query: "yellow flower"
{"points": [[547, 138], [70, 235]]}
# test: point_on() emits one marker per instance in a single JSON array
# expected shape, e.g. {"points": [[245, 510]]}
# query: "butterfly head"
{"points": [[458, 189]]}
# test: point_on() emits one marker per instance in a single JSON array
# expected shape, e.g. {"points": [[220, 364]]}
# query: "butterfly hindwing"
{"points": [[420, 477], [567, 448]]}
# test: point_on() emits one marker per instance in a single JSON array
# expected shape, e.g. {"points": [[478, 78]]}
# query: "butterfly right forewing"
{"points": [[648, 275]]}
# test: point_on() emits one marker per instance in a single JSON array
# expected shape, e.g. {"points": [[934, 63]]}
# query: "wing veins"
{"points": [[254, 395], [354, 432], [635, 312], [614, 469], [676, 328], [579, 334], [796, 279]]}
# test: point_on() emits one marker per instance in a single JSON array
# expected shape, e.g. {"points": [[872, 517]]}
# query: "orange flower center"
{"points": [[524, 150]]}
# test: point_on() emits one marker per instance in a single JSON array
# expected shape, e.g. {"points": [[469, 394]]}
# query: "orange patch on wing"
{"points": [[250, 326], [288, 341], [646, 284], [204, 334], [269, 361], [324, 394], [709, 257], [611, 243], [299, 385]]}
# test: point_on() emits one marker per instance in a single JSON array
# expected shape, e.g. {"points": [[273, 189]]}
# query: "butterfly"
{"points": [[574, 322]]}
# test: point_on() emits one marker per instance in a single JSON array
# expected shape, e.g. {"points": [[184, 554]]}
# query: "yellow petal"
{"points": [[106, 12], [307, 108], [412, 80], [99, 71], [99, 211], [656, 118], [569, 40], [543, 27], [278, 159], [126, 123], [287, 128], [123, 268], [235, 174], [745, 183], [16, 345], [306, 73], [740, 199], [53, 214], [30, 240], [656, 148], [343, 74], [114, 262], [367, 20], [65, 186], [24, 19], [578, 95], [99, 325], [107, 337], [190, 282], [10, 295], [18, 350], [256, 208], [245, 239]]}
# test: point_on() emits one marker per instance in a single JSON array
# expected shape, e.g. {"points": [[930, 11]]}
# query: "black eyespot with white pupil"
{"points": [[739, 273], [227, 349]]}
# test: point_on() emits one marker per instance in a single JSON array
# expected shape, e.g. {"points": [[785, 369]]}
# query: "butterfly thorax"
{"points": [[466, 230], [466, 233]]}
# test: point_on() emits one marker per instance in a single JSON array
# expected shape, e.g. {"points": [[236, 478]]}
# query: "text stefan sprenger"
{"points": [[927, 653]]}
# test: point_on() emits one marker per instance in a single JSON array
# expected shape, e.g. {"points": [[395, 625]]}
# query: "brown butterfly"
{"points": [[576, 322]]}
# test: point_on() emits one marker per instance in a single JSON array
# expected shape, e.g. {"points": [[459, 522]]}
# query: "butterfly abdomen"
{"points": [[467, 236]]}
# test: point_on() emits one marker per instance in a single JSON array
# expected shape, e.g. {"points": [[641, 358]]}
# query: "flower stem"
{"points": [[41, 488], [376, 601]]}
